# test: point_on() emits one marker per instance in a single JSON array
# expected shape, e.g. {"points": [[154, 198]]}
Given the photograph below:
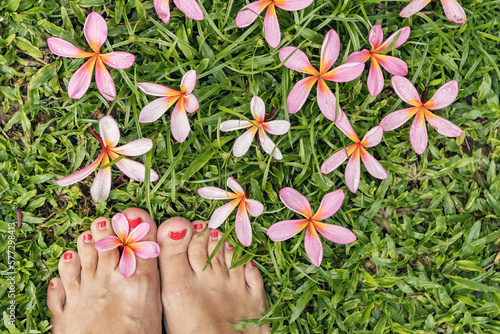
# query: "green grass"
{"points": [[427, 235]]}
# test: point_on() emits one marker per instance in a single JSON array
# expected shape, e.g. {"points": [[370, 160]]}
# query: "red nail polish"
{"points": [[87, 237], [252, 264], [132, 223], [101, 225], [67, 256], [51, 284], [198, 227], [177, 235], [214, 234], [229, 246]]}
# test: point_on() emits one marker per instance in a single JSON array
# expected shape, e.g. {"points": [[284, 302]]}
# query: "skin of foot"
{"points": [[205, 301], [92, 296]]}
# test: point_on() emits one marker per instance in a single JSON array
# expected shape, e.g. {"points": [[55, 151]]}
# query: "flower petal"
{"points": [[413, 7], [271, 27], [334, 161], [65, 49], [295, 201], [405, 90], [330, 204], [135, 147], [189, 82], [375, 78], [234, 124], [118, 60], [120, 226], [376, 36], [127, 262], [314, 248], [397, 118], [138, 233], [107, 243], [81, 174], [329, 50], [249, 13], [221, 214], [254, 208], [214, 193], [393, 65], [373, 137], [444, 96], [104, 81], [344, 73], [292, 5], [353, 172], [145, 249], [157, 89], [327, 101], [190, 8], [80, 80], [358, 57], [179, 122], [269, 146], [162, 8], [135, 170], [278, 127], [443, 126], [95, 30], [242, 226], [102, 184], [110, 133], [418, 133], [286, 229], [243, 142], [345, 126], [234, 186], [155, 109], [191, 103], [453, 11], [299, 93], [403, 34], [372, 165], [335, 233], [258, 108], [298, 61]]}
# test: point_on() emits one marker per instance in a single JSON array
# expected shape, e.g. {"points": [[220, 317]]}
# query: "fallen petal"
{"points": [[221, 214], [418, 133], [397, 118], [298, 60], [286, 229], [65, 49], [359, 57], [329, 51], [250, 12], [402, 34], [102, 185], [80, 80], [373, 137], [405, 90], [376, 36], [157, 89], [413, 7], [444, 96], [135, 170], [372, 165], [118, 60], [353, 172], [443, 126], [81, 174], [234, 186], [393, 65], [190, 8], [375, 78], [243, 142], [214, 193], [179, 123], [191, 103], [189, 82], [334, 161], [314, 248], [104, 81], [155, 109], [271, 27], [258, 108], [278, 127], [295, 201], [135, 147], [232, 125], [269, 146], [162, 8], [254, 208], [95, 30], [293, 5], [299, 93], [453, 11], [330, 204], [327, 102], [344, 73], [110, 133], [334, 233]]}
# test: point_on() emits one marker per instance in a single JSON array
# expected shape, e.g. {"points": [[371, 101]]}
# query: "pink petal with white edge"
{"points": [[327, 102], [314, 248], [221, 214], [269, 146], [243, 142], [254, 208], [214, 193], [403, 34], [242, 226], [295, 201], [65, 49], [443, 126], [375, 78], [299, 93], [162, 8], [359, 57], [104, 81], [127, 262], [191, 103], [81, 174], [298, 60], [405, 90], [278, 127], [95, 30], [376, 36], [444, 96], [135, 147], [330, 204], [345, 126], [271, 27], [344, 73], [286, 229], [258, 108], [372, 165], [190, 8], [249, 13], [353, 172], [118, 60], [120, 226], [107, 243], [335, 233], [102, 185], [418, 133], [234, 186], [334, 161], [329, 51], [397, 118], [393, 65], [413, 7], [157, 89], [179, 123], [145, 249], [138, 233], [292, 5], [373, 137], [135, 170], [80, 80], [189, 82], [453, 11], [110, 133], [155, 109], [232, 125]]}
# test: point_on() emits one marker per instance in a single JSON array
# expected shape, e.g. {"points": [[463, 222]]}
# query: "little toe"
{"points": [[70, 269], [56, 296], [107, 260], [218, 261], [254, 279], [87, 254], [198, 247]]}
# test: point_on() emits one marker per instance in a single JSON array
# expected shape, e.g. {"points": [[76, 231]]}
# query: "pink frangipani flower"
{"points": [[355, 151], [249, 13], [96, 32], [190, 8], [129, 242], [330, 204], [443, 97], [453, 11], [298, 61], [110, 135], [239, 199], [186, 102], [260, 125], [377, 54]]}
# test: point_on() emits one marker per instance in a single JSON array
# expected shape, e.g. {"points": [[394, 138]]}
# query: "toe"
{"points": [[107, 260], [69, 269], [254, 279], [198, 247], [87, 254], [56, 296], [237, 274], [216, 249]]}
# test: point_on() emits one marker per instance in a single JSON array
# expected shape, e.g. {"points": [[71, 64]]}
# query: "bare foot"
{"points": [[197, 301], [93, 297]]}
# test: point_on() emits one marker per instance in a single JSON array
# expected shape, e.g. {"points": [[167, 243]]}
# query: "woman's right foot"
{"points": [[205, 301]]}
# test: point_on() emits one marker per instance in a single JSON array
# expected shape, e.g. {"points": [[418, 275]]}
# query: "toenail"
{"points": [[198, 227], [229, 246], [132, 223], [67, 257], [101, 225], [87, 238], [177, 235], [51, 284], [252, 264], [214, 234]]}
